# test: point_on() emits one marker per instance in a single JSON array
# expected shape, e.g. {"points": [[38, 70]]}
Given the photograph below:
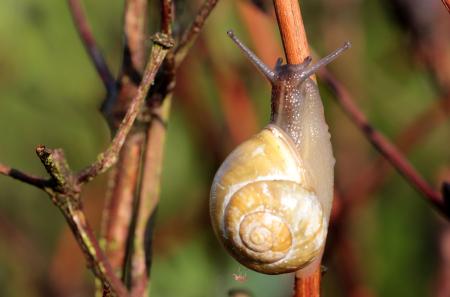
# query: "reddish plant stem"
{"points": [[296, 48], [307, 286], [149, 196], [167, 16], [118, 210], [292, 30], [134, 29], [85, 33]]}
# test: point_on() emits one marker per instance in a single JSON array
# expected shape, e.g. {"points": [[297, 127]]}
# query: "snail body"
{"points": [[271, 198]]}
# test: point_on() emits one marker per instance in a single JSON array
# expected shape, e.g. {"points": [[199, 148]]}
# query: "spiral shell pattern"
{"points": [[262, 208], [275, 224]]}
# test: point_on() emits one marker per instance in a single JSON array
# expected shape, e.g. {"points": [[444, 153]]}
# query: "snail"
{"points": [[271, 198]]}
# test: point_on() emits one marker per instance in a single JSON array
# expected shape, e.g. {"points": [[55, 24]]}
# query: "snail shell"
{"points": [[263, 208], [271, 199]]}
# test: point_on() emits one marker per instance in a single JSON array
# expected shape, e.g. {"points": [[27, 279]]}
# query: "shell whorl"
{"points": [[262, 207], [275, 225]]}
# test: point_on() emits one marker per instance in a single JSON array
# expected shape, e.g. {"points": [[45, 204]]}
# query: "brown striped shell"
{"points": [[263, 208]]}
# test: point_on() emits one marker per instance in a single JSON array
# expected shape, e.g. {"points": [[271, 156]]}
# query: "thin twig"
{"points": [[65, 195], [85, 32], [189, 36], [167, 16], [95, 256], [36, 181], [105, 160], [383, 145]]}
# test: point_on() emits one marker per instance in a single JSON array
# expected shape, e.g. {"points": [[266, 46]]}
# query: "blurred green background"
{"points": [[50, 94]]}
